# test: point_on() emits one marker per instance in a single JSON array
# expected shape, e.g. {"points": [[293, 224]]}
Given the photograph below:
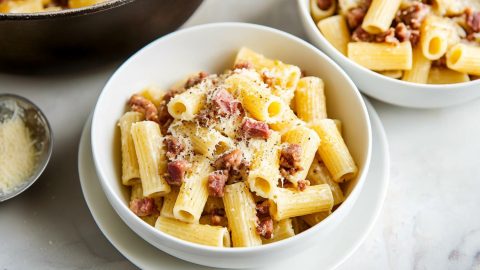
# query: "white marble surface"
{"points": [[430, 219]]}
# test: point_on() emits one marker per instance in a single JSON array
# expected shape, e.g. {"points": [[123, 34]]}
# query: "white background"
{"points": [[430, 219]]}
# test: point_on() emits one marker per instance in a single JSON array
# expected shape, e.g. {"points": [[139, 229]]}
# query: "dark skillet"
{"points": [[116, 28]]}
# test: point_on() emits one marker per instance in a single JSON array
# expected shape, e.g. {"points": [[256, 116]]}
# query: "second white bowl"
{"points": [[386, 89]]}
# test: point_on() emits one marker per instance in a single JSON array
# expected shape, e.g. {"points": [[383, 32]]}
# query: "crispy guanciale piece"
{"points": [[263, 208], [265, 227], [290, 158], [356, 15], [174, 147], [224, 104], [143, 207], [216, 183], [361, 35], [255, 129], [472, 19], [229, 161], [413, 15], [404, 33], [139, 103], [176, 170]]}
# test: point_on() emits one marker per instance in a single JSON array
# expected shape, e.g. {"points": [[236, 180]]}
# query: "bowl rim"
{"points": [[303, 6], [69, 12], [233, 250]]}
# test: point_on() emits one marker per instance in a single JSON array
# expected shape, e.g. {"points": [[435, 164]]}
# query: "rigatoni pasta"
{"points": [[256, 98], [234, 165], [193, 193], [441, 75], [320, 12], [152, 164], [186, 106], [310, 99], [434, 37], [282, 229], [319, 174], [264, 173], [168, 203], [241, 214], [420, 68], [289, 202], [380, 15], [281, 77], [315, 218], [334, 152], [381, 56], [335, 30], [130, 172], [197, 233], [308, 141], [464, 58]]}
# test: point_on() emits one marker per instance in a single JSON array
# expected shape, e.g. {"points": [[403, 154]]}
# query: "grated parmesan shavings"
{"points": [[18, 156]]}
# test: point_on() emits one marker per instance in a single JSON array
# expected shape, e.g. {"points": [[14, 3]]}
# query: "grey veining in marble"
{"points": [[430, 219]]}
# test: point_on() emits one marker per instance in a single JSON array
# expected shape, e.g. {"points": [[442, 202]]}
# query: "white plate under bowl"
{"points": [[344, 239], [407, 94]]}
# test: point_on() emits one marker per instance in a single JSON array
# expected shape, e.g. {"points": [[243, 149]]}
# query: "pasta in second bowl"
{"points": [[262, 90], [399, 56]]}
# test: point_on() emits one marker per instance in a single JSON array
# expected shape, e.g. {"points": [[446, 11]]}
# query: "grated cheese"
{"points": [[17, 153]]}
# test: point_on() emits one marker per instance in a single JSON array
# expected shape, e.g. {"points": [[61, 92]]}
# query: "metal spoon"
{"points": [[40, 131]]}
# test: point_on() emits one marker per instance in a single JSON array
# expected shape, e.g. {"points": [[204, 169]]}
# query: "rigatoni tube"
{"points": [[264, 174], [434, 35], [420, 67], [282, 229], [256, 99], [441, 75], [381, 56], [197, 233], [464, 58], [282, 77], [286, 121], [318, 13], [241, 215], [319, 174], [309, 142], [208, 142], [193, 193], [334, 152], [291, 202], [380, 15], [335, 30], [310, 99], [130, 171], [169, 203], [315, 218], [151, 158]]}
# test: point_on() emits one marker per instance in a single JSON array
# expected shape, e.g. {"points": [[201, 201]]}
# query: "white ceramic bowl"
{"points": [[390, 90], [212, 48]]}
